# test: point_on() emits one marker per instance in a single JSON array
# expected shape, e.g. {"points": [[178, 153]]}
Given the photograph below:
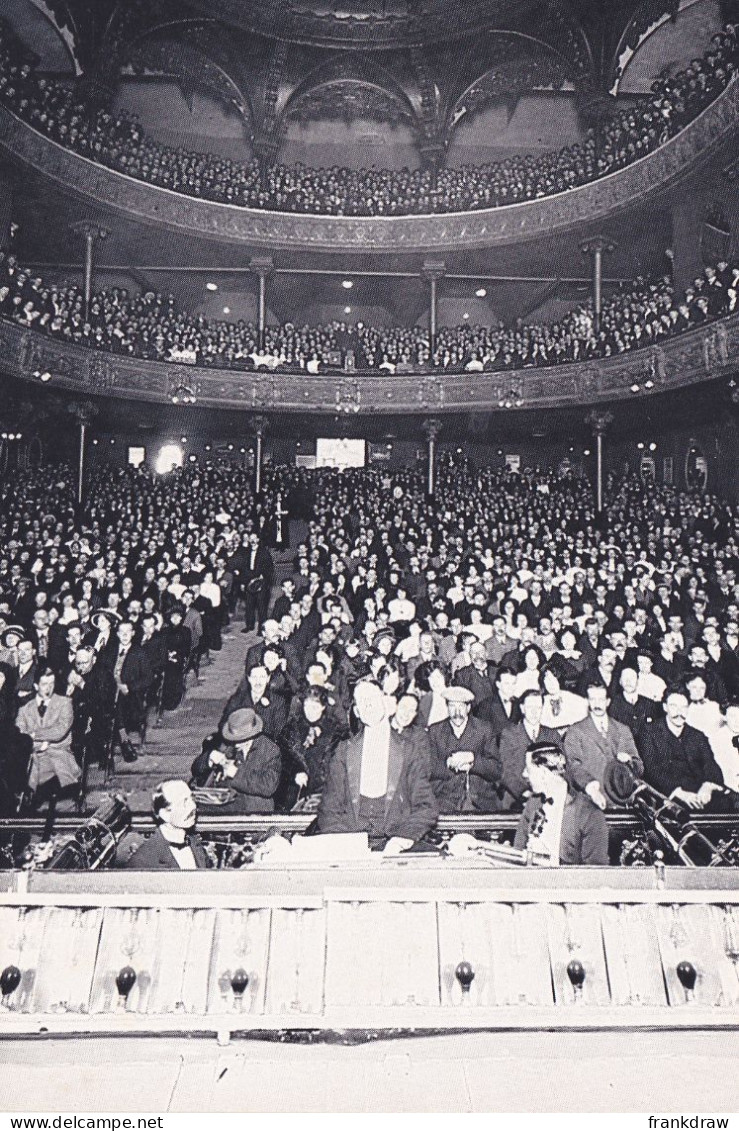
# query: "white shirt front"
{"points": [[375, 757], [705, 716], [650, 686], [183, 854], [212, 593], [726, 755]]}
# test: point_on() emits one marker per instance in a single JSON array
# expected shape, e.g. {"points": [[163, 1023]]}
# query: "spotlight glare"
{"points": [[481, 293], [211, 286], [347, 284]]}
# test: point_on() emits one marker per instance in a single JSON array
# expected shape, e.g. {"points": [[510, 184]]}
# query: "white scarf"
{"points": [[375, 757]]}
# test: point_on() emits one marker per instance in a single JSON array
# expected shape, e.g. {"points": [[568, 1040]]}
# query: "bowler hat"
{"points": [[618, 782], [242, 725]]}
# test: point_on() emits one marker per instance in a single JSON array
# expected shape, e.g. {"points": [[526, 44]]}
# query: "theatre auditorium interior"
{"points": [[369, 555]]}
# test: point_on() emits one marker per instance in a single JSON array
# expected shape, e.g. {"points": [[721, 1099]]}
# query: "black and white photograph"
{"points": [[369, 561]]}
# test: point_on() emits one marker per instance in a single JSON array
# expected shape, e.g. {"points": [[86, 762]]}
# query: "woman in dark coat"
{"points": [[177, 645], [309, 742]]}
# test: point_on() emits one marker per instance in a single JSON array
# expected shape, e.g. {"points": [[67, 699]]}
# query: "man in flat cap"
{"points": [[463, 760]]}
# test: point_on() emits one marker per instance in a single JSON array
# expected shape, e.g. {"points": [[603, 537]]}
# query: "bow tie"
{"points": [[735, 742]]}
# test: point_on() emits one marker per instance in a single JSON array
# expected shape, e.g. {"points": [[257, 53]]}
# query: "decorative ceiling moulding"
{"points": [[514, 223], [370, 24], [700, 355]]}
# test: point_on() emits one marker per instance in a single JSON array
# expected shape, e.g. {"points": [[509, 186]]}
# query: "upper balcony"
{"points": [[649, 179], [697, 356]]}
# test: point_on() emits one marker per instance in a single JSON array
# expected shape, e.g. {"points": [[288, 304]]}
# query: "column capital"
{"points": [[597, 243], [84, 412], [431, 427], [433, 269], [262, 265], [599, 421], [89, 230], [259, 425]]}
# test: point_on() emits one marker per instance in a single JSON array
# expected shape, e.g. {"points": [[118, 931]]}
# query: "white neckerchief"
{"points": [[375, 757]]}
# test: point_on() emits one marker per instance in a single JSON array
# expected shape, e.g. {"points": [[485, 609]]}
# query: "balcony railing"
{"points": [[607, 196], [687, 359]]}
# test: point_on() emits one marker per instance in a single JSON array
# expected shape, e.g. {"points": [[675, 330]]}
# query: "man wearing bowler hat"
{"points": [[250, 764]]}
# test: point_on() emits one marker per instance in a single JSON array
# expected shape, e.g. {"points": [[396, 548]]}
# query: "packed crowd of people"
{"points": [[151, 327], [118, 141], [495, 647]]}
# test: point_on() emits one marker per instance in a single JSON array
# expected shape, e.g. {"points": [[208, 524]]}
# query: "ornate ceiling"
{"points": [[424, 63]]}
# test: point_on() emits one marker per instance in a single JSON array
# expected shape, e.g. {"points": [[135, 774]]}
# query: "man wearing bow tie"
{"points": [[174, 845]]}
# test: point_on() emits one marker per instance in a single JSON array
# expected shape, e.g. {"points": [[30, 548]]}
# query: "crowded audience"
{"points": [[475, 643], [118, 141], [150, 326]]}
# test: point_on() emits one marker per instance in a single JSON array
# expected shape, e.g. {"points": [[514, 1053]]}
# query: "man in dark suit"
{"points": [[501, 709], [91, 687], [595, 742], [48, 640], [515, 740], [258, 692], [378, 781], [678, 760], [250, 765], [133, 677], [628, 707], [477, 677], [463, 763], [173, 845], [257, 580]]}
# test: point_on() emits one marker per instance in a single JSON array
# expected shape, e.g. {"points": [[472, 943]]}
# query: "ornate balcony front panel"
{"points": [[688, 359], [607, 196]]}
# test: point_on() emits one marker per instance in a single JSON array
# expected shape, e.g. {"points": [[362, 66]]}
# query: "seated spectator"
{"points": [[174, 844], [463, 763], [558, 824], [595, 742], [378, 781], [246, 762], [48, 719], [677, 758], [515, 739]]}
